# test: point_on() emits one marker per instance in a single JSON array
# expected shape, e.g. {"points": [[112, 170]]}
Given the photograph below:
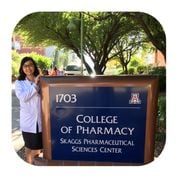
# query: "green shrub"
{"points": [[161, 72], [162, 107], [160, 135], [141, 69], [131, 70], [42, 61], [16, 58]]}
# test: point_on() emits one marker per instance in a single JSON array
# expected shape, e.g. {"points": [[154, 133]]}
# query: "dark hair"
{"points": [[22, 75]]}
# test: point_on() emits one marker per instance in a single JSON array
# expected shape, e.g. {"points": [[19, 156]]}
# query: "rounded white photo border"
{"points": [[164, 12]]}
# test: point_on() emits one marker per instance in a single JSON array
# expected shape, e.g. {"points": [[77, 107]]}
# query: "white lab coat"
{"points": [[30, 105]]}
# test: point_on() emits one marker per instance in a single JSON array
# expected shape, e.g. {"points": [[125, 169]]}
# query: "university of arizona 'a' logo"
{"points": [[134, 99]]}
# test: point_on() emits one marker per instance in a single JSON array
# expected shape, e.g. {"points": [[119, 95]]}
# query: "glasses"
{"points": [[29, 65]]}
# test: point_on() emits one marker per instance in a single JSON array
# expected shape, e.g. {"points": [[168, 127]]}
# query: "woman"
{"points": [[27, 91]]}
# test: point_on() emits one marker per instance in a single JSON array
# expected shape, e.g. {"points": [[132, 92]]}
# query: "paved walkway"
{"points": [[16, 133]]}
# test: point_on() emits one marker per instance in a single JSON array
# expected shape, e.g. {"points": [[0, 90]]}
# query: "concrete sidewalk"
{"points": [[17, 139]]}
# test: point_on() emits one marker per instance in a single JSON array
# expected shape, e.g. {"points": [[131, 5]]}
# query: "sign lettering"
{"points": [[98, 123]]}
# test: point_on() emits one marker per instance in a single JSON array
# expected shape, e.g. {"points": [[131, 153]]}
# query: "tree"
{"points": [[127, 46], [51, 29], [101, 33], [152, 29]]}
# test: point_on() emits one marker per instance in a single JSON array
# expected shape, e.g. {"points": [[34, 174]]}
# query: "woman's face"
{"points": [[28, 68]]}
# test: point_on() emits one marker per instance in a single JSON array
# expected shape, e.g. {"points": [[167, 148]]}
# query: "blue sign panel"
{"points": [[98, 123]]}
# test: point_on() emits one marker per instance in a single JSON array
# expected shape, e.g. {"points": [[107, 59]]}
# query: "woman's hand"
{"points": [[37, 79]]}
